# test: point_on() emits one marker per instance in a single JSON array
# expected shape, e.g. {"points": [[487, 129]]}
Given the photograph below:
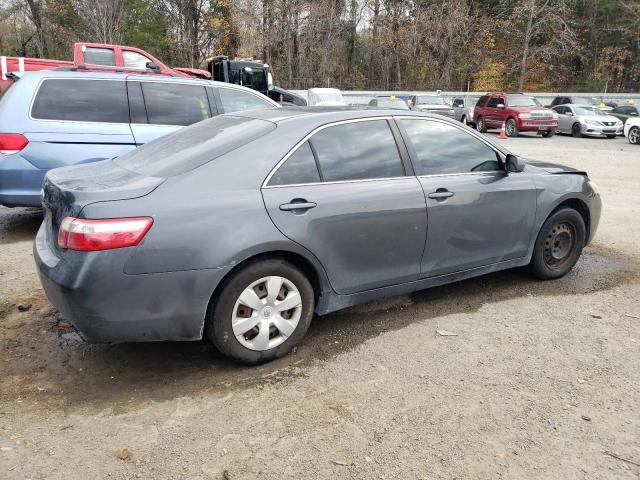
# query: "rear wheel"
{"points": [[559, 244], [576, 130], [481, 126], [512, 128], [634, 135], [262, 312]]}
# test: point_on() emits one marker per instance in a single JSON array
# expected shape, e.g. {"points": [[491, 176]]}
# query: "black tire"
{"points": [[559, 245], [464, 120], [611, 136], [512, 128], [481, 126], [548, 133], [218, 324], [634, 136], [576, 130]]}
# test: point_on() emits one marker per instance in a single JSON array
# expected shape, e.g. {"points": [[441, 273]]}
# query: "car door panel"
{"points": [[488, 219], [367, 234]]}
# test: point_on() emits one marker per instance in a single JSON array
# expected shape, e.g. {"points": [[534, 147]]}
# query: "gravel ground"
{"points": [[541, 381]]}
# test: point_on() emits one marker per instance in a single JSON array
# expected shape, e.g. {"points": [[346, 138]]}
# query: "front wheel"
{"points": [[512, 128], [611, 136], [481, 126], [548, 133], [262, 312], [634, 136], [559, 245], [576, 130]]}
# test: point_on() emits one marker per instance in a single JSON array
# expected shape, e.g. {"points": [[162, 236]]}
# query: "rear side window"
{"points": [[192, 147], [99, 56], [81, 100], [299, 168], [234, 100], [175, 103], [357, 151], [482, 101], [444, 149]]}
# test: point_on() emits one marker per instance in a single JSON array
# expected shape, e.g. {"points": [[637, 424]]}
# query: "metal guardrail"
{"points": [[362, 97]]}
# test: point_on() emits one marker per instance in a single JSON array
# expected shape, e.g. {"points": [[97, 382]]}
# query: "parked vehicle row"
{"points": [[50, 119], [239, 228]]}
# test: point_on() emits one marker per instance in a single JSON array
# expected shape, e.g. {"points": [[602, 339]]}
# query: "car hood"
{"points": [[531, 109], [555, 168], [597, 118]]}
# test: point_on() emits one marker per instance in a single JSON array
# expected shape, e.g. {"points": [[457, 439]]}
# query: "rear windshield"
{"points": [[193, 146]]}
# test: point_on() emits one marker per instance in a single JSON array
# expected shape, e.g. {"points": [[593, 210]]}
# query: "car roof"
{"points": [[40, 74]]}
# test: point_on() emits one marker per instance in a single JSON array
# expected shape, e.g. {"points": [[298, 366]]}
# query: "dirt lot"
{"points": [[542, 380]]}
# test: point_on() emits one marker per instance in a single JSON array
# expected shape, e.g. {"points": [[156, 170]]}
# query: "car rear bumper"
{"points": [[106, 305], [20, 182]]}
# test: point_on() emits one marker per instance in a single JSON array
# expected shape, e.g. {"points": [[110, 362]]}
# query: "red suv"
{"points": [[519, 113]]}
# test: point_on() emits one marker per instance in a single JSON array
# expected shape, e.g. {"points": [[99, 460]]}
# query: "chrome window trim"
{"points": [[312, 133]]}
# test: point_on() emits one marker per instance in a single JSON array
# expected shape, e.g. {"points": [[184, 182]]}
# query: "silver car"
{"points": [[587, 120], [463, 108], [431, 103]]}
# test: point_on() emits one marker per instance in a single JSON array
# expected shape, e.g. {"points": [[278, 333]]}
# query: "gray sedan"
{"points": [[587, 120], [240, 228]]}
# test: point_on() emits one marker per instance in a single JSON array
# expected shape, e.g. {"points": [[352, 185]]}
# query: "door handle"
{"points": [[297, 205], [441, 194]]}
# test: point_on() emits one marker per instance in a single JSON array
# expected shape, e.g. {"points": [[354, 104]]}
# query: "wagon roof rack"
{"points": [[105, 68]]}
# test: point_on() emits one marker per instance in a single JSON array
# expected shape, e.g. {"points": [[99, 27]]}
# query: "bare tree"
{"points": [[103, 19]]}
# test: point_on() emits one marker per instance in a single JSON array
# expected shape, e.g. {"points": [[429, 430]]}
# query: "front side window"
{"points": [[235, 100], [495, 101], [458, 102], [134, 59], [175, 103], [357, 151], [299, 168], [81, 100], [100, 56], [440, 149]]}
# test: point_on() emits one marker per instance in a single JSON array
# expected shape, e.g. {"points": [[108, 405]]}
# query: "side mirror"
{"points": [[569, 114], [500, 105], [513, 163], [152, 66]]}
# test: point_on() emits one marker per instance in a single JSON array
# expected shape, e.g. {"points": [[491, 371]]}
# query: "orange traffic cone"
{"points": [[503, 131]]}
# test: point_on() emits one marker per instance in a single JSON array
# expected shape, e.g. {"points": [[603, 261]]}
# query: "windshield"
{"points": [[431, 100], [255, 79], [585, 110], [325, 97], [521, 101], [192, 147], [387, 102]]}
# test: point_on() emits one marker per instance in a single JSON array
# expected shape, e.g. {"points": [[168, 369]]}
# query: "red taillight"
{"points": [[12, 143], [104, 234]]}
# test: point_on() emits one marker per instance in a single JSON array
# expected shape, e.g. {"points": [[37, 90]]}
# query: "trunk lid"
{"points": [[68, 190]]}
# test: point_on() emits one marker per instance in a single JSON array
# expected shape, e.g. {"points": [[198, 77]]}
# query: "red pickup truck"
{"points": [[97, 56], [518, 112]]}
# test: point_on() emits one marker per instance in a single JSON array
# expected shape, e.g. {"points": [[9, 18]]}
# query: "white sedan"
{"points": [[632, 130]]}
